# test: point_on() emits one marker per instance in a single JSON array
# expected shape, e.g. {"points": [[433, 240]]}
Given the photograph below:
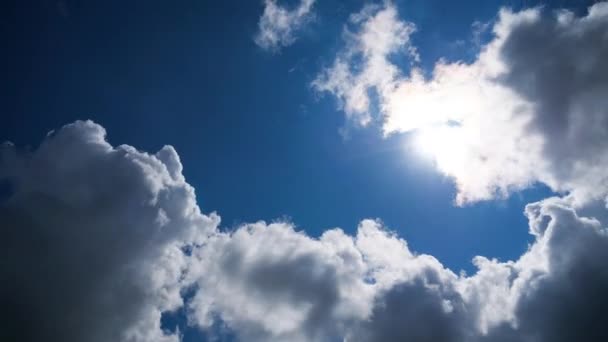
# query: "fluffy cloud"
{"points": [[555, 291], [92, 237], [270, 282], [568, 303], [278, 24], [531, 107], [427, 308], [99, 241]]}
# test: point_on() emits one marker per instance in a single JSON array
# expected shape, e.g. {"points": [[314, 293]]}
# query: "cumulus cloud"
{"points": [[425, 309], [555, 291], [301, 288], [530, 108], [279, 24], [99, 241], [92, 238], [270, 282]]}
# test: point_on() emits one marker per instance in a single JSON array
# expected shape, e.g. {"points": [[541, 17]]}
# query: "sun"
{"points": [[446, 145]]}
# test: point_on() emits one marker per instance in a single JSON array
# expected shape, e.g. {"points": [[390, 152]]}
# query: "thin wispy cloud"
{"points": [[377, 34], [279, 25], [529, 109]]}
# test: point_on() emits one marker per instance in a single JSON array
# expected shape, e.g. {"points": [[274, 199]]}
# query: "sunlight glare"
{"points": [[445, 145]]}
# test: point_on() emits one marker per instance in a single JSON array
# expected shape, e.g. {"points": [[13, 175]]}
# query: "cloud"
{"points": [[278, 24], [379, 34], [92, 237], [372, 287], [529, 109], [99, 241], [569, 302], [555, 290], [301, 289], [425, 309]]}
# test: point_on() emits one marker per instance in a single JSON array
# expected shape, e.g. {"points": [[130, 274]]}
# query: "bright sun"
{"points": [[445, 145]]}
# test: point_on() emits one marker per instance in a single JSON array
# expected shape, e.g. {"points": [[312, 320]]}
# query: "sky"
{"points": [[304, 170]]}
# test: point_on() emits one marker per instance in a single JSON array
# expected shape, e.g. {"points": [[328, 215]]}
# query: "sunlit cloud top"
{"points": [[485, 122]]}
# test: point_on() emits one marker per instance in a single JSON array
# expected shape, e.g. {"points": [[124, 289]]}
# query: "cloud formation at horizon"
{"points": [[89, 225]]}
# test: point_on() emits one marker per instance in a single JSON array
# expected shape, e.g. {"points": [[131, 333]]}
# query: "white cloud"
{"points": [[380, 33], [270, 282], [531, 107], [554, 291], [278, 25], [93, 236]]}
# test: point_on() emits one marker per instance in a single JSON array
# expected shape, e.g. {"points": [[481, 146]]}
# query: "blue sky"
{"points": [[256, 140], [257, 143]]}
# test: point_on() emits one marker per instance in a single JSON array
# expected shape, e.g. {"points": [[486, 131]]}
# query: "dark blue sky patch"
{"points": [[171, 321], [6, 190]]}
